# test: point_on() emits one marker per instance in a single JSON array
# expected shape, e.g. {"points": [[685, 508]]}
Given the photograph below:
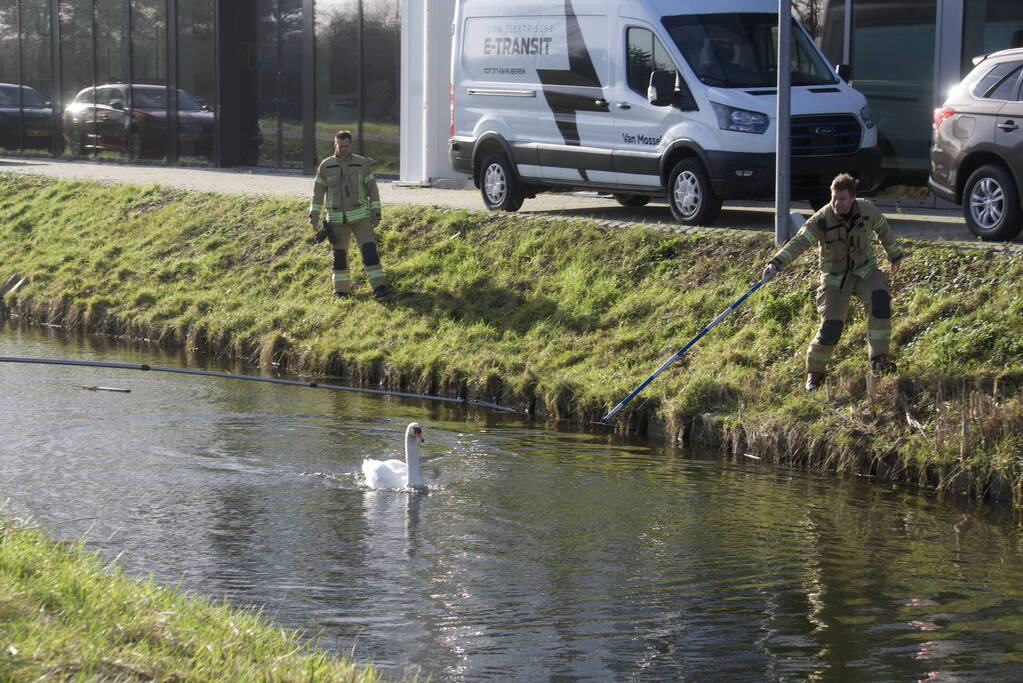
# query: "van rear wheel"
{"points": [[632, 200], [690, 196], [501, 190]]}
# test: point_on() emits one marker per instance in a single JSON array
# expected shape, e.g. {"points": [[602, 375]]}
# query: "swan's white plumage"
{"points": [[395, 474], [384, 474]]}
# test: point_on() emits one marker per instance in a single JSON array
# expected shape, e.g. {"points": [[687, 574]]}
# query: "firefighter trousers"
{"points": [[833, 305], [340, 235]]}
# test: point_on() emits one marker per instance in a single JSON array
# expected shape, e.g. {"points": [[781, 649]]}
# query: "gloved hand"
{"points": [[376, 218], [770, 271], [320, 235]]}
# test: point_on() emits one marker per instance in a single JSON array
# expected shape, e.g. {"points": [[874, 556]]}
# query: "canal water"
{"points": [[534, 554]]}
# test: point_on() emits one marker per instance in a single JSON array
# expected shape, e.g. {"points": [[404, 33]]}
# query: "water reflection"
{"points": [[532, 555]]}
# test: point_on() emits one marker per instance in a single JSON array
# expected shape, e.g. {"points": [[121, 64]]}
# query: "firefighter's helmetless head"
{"points": [[843, 193], [343, 144]]}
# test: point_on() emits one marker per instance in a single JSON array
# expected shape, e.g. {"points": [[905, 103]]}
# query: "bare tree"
{"points": [[811, 15]]}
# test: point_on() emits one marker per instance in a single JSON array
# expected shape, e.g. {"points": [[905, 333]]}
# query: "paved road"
{"points": [[908, 218]]}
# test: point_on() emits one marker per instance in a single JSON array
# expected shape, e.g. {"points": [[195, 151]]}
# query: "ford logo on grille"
{"points": [[824, 130]]}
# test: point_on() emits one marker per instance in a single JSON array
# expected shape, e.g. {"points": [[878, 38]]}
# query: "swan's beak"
{"points": [[418, 433]]}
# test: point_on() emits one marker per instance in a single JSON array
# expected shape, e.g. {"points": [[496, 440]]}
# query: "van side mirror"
{"points": [[117, 104], [662, 89], [844, 72], [669, 90]]}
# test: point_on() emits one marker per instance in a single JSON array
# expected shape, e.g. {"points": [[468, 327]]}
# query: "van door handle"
{"points": [[624, 105], [1008, 126], [600, 103]]}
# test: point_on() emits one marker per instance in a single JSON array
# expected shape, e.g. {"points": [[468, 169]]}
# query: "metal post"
{"points": [[309, 159], [173, 125], [21, 78], [783, 132], [57, 99], [847, 32]]}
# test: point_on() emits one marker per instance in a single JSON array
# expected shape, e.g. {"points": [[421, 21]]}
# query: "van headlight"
{"points": [[741, 120], [867, 116]]}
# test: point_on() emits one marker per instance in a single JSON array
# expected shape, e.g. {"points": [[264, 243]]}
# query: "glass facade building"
{"points": [[905, 54], [200, 82]]}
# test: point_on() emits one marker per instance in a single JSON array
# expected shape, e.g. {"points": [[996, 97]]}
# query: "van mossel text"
{"points": [[640, 139]]}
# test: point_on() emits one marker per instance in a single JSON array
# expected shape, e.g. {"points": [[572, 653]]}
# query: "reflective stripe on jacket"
{"points": [[347, 189], [845, 246]]}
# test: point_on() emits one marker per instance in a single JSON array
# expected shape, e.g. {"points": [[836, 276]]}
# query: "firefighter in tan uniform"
{"points": [[844, 233], [346, 192]]}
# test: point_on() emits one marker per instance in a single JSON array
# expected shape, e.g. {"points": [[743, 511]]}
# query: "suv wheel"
{"points": [[501, 190], [991, 204], [692, 201]]}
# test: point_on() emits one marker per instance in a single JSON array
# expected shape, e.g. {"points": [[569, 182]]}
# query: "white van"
{"points": [[644, 98]]}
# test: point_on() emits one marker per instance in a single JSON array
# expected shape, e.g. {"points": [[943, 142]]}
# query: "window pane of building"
{"points": [[37, 75], [196, 79], [10, 77], [77, 68], [989, 26], [832, 38], [381, 83], [290, 88], [893, 65], [149, 79], [112, 61], [337, 72], [267, 81]]}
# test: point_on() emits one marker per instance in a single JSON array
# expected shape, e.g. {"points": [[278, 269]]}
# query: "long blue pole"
{"points": [[253, 378], [678, 354]]}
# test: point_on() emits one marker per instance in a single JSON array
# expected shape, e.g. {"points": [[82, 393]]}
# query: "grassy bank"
{"points": [[64, 616], [563, 318]]}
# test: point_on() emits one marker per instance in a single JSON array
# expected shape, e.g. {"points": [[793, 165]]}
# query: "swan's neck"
{"points": [[413, 479]]}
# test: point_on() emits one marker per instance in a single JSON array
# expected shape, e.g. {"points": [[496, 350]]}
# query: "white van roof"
{"points": [[674, 7], [626, 7]]}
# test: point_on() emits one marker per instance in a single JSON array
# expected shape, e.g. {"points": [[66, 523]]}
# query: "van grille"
{"points": [[825, 134]]}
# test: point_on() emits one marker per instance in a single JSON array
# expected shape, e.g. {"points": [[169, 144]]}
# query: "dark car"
{"points": [[26, 119], [125, 118], [977, 146]]}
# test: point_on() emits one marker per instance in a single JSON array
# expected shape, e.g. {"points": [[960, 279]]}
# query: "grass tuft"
{"points": [[64, 615]]}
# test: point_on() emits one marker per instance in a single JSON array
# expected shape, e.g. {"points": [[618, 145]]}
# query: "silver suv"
{"points": [[977, 146]]}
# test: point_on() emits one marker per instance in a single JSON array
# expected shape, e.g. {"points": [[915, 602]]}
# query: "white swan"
{"points": [[395, 474]]}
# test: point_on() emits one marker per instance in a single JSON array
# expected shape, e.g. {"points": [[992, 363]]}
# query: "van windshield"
{"points": [[740, 50]]}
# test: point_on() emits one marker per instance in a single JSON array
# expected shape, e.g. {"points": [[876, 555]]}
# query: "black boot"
{"points": [[382, 292], [882, 365]]}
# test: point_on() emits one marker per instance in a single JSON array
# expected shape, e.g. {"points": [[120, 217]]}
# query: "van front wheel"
{"points": [[501, 190], [689, 193]]}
